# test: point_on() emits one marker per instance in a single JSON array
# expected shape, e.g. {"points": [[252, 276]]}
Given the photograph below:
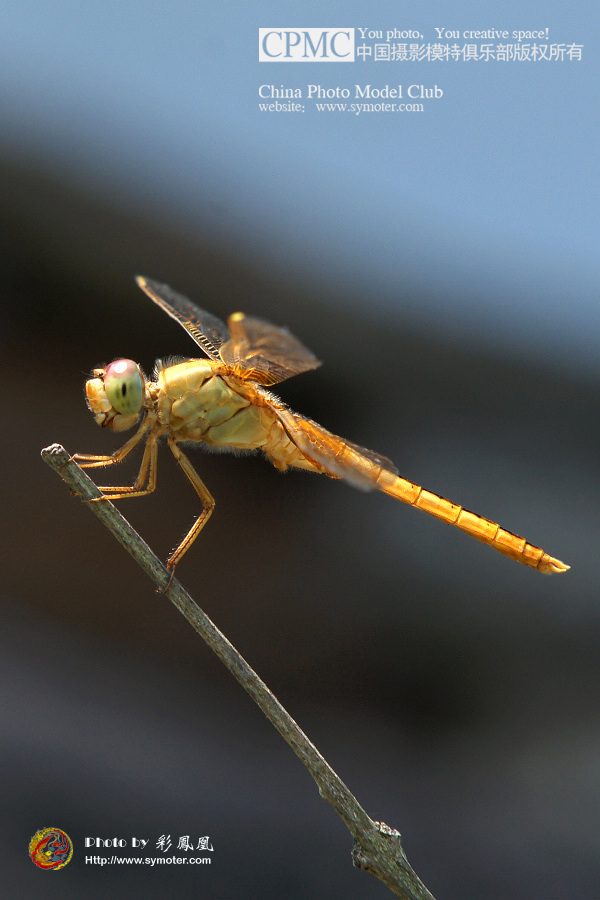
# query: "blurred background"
{"points": [[444, 267]]}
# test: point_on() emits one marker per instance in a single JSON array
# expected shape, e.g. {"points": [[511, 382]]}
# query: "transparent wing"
{"points": [[338, 457], [264, 352], [209, 332], [257, 350]]}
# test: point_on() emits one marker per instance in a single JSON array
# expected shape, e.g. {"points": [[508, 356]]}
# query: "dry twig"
{"points": [[377, 848]]}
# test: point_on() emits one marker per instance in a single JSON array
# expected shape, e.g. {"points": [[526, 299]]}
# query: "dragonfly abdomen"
{"points": [[284, 454], [482, 529]]}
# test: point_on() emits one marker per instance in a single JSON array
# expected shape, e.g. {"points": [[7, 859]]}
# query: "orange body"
{"points": [[223, 402]]}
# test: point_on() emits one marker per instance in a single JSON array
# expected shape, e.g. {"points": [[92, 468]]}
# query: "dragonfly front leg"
{"points": [[91, 460], [206, 498], [146, 475]]}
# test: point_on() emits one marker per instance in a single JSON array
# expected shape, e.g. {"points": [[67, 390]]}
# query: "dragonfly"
{"points": [[223, 401]]}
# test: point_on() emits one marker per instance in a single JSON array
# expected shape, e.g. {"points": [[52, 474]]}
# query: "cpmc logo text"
{"points": [[315, 45]]}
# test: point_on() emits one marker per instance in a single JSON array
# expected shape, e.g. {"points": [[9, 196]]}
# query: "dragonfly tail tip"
{"points": [[549, 566]]}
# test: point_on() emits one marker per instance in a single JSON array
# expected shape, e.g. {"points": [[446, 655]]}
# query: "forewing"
{"points": [[209, 332], [266, 353], [338, 457]]}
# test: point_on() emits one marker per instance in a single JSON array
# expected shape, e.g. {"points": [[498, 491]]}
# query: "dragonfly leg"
{"points": [[206, 498], [91, 461], [146, 476]]}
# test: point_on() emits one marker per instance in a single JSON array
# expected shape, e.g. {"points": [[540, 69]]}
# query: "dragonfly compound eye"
{"points": [[124, 387]]}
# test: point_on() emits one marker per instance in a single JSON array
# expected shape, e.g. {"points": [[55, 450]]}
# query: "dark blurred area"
{"points": [[454, 691]]}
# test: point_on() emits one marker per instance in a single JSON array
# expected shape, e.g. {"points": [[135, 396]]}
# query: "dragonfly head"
{"points": [[116, 394]]}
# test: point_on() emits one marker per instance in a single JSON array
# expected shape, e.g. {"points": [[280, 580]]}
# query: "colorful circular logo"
{"points": [[50, 848]]}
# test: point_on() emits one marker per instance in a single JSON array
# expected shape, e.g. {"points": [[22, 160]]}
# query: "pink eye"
{"points": [[124, 386]]}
